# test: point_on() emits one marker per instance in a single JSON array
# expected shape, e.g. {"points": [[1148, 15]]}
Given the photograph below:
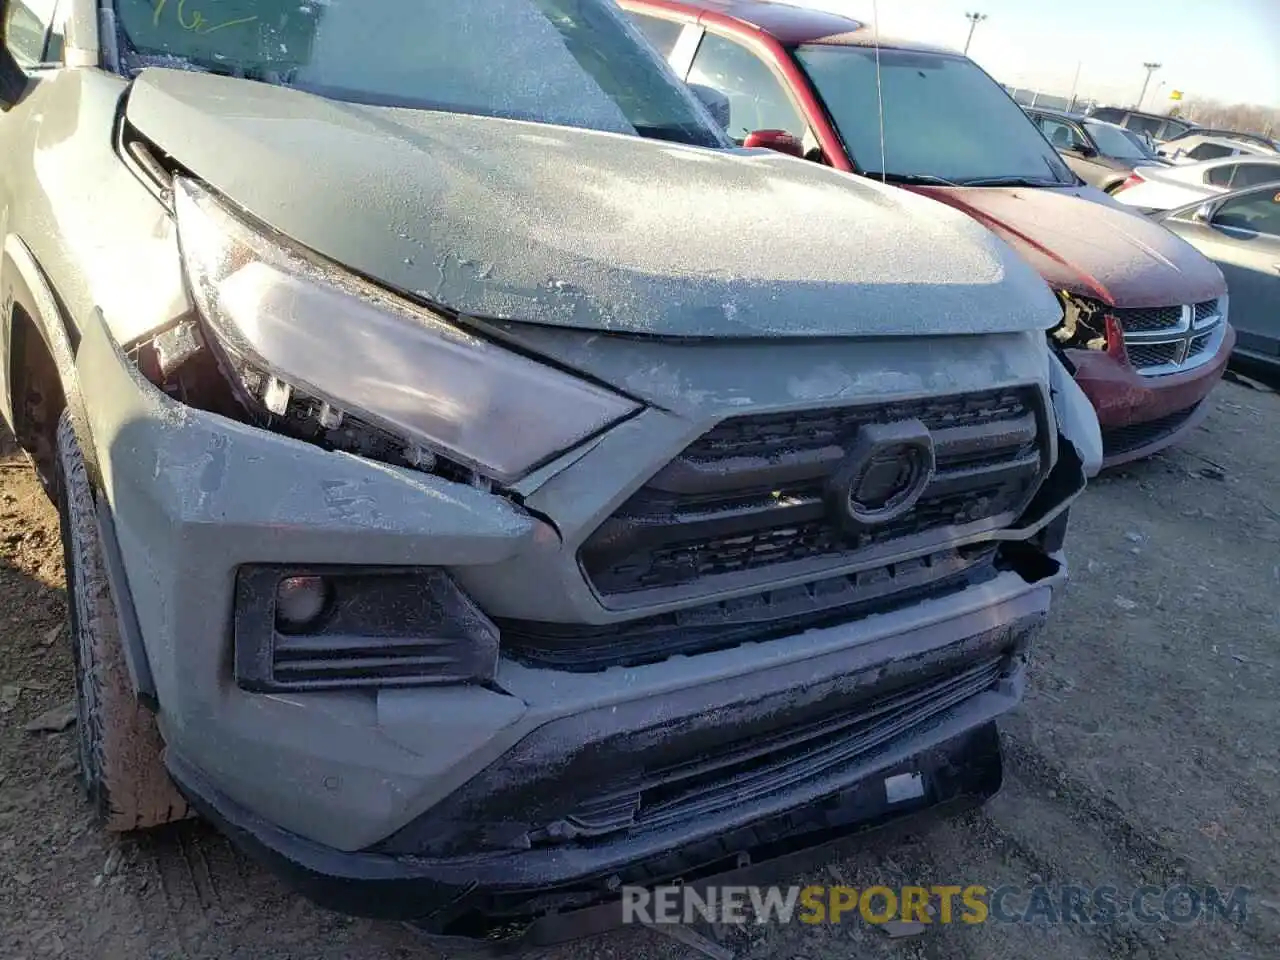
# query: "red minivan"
{"points": [[1144, 327]]}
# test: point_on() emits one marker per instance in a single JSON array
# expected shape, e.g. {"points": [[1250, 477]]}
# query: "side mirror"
{"points": [[13, 79], [1086, 151], [778, 140], [716, 103], [1204, 213]]}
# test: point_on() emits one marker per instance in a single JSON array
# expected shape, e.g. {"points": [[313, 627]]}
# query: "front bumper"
{"points": [[1141, 415], [383, 786], [518, 901]]}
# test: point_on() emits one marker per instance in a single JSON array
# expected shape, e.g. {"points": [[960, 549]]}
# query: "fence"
{"points": [[1038, 98]]}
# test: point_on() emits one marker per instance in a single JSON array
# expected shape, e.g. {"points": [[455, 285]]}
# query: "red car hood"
{"points": [[1093, 248]]}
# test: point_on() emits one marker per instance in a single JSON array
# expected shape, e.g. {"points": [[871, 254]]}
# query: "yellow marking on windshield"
{"points": [[196, 22]]}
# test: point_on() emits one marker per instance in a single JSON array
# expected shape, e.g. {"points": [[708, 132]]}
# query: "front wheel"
{"points": [[120, 748]]}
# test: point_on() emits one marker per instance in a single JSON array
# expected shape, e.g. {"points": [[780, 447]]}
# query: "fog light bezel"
{"points": [[381, 627]]}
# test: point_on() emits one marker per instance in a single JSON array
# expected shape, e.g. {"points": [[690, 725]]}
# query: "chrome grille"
{"points": [[1154, 354], [1162, 340], [743, 505], [1142, 319]]}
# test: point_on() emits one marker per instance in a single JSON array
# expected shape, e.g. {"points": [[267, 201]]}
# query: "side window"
{"points": [[1109, 114], [27, 31], [1175, 128], [757, 99], [1149, 125], [1221, 176], [1256, 174], [1209, 151], [1257, 212], [663, 34], [1063, 136]]}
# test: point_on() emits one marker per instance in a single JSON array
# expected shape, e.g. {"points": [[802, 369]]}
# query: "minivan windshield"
{"points": [[944, 118], [568, 62]]}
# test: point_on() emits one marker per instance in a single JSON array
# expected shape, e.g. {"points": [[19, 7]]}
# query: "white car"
{"points": [[1163, 188], [1198, 147]]}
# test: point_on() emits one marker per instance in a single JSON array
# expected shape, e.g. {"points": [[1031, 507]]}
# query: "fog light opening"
{"points": [[300, 602]]}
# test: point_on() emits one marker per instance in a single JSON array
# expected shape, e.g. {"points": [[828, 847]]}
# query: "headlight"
{"points": [[290, 326]]}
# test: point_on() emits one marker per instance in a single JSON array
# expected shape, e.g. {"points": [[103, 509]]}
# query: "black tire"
{"points": [[121, 764]]}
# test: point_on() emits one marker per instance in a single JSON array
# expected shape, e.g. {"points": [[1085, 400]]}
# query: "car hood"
{"points": [[1085, 242], [511, 220]]}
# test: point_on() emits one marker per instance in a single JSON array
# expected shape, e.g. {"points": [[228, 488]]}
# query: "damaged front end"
{"points": [[1087, 324], [515, 616]]}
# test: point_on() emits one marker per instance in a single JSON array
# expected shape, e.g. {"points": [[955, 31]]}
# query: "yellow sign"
{"points": [[1175, 94]]}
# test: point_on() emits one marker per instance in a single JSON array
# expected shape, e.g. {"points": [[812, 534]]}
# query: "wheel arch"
{"points": [[41, 344]]}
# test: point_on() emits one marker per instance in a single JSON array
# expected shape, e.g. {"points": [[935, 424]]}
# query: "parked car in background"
{"points": [[483, 487], [1142, 143], [813, 83], [1166, 186], [1156, 126], [1257, 139], [1198, 147], [1240, 232], [1100, 153]]}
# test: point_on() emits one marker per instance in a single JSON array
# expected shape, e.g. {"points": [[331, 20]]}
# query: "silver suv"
{"points": [[482, 489]]}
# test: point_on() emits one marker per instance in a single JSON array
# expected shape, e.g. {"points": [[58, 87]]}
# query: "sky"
{"points": [[1209, 49]]}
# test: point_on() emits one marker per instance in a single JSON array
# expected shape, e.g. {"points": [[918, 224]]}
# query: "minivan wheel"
{"points": [[120, 748]]}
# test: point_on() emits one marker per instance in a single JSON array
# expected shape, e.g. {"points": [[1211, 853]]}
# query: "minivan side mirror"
{"points": [[778, 140], [13, 79], [715, 102]]}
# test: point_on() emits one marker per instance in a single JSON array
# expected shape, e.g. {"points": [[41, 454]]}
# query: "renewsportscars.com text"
{"points": [[939, 903]]}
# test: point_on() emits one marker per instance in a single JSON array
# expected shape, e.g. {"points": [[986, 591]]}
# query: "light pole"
{"points": [[974, 19], [1150, 68], [1075, 85]]}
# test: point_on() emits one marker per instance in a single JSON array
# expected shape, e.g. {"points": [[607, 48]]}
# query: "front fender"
{"points": [[23, 286]]}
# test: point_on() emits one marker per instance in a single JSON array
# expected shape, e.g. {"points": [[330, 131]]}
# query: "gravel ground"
{"points": [[1146, 753]]}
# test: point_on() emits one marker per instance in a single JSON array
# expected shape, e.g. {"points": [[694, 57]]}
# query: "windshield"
{"points": [[570, 62], [1113, 142], [943, 117], [1140, 143]]}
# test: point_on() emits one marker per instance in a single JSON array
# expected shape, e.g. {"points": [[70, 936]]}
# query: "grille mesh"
{"points": [[1205, 310], [1146, 319], [746, 499], [740, 773], [1121, 440], [1153, 354]]}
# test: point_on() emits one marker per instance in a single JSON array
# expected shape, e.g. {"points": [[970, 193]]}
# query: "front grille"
{"points": [[1170, 339], [1206, 310], [748, 770], [1143, 319], [1200, 344], [751, 619], [744, 503], [1121, 440], [1154, 354]]}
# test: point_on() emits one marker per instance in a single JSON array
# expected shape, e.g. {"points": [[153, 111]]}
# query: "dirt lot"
{"points": [[1147, 753]]}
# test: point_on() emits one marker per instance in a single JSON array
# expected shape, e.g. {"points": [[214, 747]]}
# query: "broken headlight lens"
{"points": [[289, 326]]}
